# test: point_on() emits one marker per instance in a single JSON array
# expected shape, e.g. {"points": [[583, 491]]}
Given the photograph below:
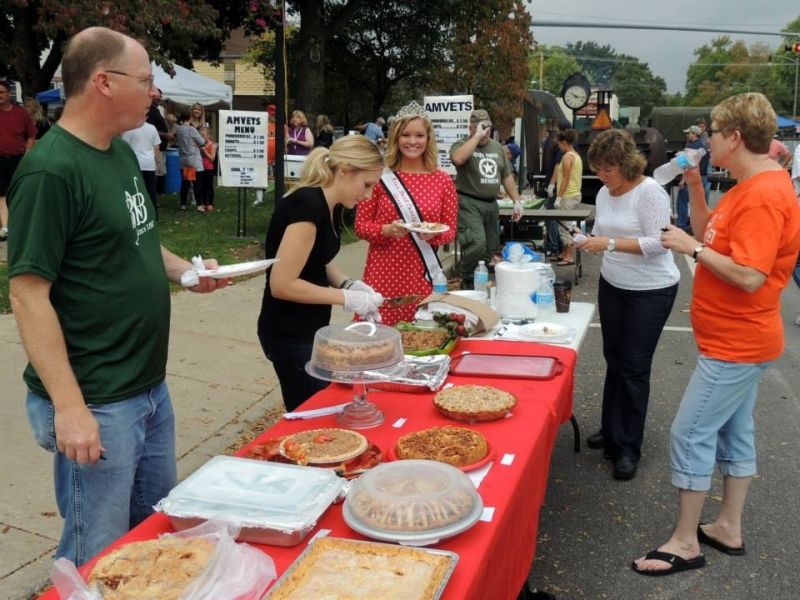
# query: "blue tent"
{"points": [[784, 123], [50, 96]]}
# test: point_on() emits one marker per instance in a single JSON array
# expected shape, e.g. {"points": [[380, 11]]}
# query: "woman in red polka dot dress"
{"points": [[395, 265]]}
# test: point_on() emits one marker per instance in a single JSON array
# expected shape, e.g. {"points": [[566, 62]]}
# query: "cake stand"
{"points": [[361, 413]]}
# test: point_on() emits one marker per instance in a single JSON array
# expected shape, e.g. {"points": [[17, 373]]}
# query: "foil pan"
{"points": [[422, 374], [274, 503]]}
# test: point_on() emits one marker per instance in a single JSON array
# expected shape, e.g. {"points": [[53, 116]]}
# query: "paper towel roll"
{"points": [[516, 284]]}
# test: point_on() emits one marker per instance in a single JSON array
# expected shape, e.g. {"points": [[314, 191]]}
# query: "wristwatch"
{"points": [[697, 251], [612, 245]]}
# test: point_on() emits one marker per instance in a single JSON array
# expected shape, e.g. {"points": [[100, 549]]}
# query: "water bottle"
{"points": [[439, 282], [545, 295], [683, 160], [481, 277]]}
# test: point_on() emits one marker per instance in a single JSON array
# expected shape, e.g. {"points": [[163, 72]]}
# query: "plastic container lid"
{"points": [[416, 502], [356, 347]]}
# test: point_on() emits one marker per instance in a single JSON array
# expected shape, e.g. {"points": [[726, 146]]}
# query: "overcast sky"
{"points": [[668, 53]]}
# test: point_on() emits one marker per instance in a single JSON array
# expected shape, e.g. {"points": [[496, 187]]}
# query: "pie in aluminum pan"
{"points": [[457, 446], [474, 402], [161, 568], [340, 569], [323, 446]]}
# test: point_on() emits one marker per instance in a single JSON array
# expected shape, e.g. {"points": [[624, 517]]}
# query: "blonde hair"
{"points": [[354, 152], [202, 112], [616, 148], [300, 115], [393, 154], [34, 109], [324, 123], [751, 115]]}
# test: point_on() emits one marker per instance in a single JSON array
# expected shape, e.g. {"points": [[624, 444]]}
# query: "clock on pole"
{"points": [[576, 92]]}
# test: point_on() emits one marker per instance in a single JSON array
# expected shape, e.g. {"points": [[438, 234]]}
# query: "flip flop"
{"points": [[678, 563], [704, 538], [565, 263]]}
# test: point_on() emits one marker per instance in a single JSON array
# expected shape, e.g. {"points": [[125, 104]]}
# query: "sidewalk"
{"points": [[220, 383]]}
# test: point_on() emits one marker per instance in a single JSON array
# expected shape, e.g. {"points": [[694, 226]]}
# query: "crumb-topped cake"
{"points": [[161, 568], [340, 569], [474, 402], [356, 347], [457, 446], [323, 446]]}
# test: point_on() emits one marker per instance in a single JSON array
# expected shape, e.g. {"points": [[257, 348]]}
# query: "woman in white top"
{"points": [[638, 285]]}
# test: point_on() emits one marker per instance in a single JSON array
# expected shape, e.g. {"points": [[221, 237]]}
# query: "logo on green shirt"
{"points": [[137, 206]]}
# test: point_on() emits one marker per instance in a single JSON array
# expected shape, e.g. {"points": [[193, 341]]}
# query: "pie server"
{"points": [[402, 300]]}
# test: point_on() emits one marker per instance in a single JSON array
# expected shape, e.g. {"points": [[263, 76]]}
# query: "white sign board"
{"points": [[450, 118], [243, 148]]}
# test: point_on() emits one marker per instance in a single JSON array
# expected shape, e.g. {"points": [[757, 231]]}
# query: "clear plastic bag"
{"points": [[234, 572]]}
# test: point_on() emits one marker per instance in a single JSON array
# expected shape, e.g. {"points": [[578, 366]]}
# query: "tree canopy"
{"points": [[173, 30]]}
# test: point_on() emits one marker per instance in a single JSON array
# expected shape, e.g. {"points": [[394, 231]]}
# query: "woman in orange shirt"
{"points": [[745, 252]]}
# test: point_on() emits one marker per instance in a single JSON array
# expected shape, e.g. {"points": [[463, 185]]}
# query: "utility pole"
{"points": [[541, 74]]}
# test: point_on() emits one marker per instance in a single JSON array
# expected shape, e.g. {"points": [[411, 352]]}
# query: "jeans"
{"points": [[289, 361], [631, 321], [796, 272], [552, 244], [682, 208], [715, 423], [101, 502]]}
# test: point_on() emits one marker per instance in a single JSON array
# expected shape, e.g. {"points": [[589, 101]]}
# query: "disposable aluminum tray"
{"points": [[423, 374], [452, 556], [275, 503]]}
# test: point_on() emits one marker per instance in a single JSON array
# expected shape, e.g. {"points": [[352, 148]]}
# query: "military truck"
{"points": [[672, 120]]}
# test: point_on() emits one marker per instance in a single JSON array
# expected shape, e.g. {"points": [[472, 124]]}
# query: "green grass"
{"points": [[212, 235]]}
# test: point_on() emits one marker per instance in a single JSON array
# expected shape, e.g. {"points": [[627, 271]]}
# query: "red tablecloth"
{"points": [[494, 556]]}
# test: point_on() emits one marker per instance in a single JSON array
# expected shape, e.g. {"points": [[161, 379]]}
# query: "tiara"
{"points": [[412, 109]]}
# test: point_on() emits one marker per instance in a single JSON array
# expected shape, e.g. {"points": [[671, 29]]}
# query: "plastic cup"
{"points": [[563, 294]]}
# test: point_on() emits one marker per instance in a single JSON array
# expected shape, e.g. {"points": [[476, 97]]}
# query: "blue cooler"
{"points": [[172, 180]]}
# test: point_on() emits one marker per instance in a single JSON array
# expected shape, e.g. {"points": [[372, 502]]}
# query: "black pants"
{"points": [[289, 361], [632, 321], [206, 197], [196, 185], [150, 183]]}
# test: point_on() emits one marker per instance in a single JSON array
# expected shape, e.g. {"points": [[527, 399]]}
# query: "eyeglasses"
{"points": [[713, 131], [147, 80]]}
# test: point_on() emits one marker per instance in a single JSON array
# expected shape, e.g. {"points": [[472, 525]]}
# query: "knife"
{"points": [[402, 300]]}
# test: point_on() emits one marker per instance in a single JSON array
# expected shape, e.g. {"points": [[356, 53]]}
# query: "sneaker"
{"points": [[257, 202], [201, 208], [3, 234], [183, 207]]}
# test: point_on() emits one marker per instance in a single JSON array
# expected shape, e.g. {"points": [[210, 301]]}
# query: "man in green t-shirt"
{"points": [[481, 168], [90, 292]]}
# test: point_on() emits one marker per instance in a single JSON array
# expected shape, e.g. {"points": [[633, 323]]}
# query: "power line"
{"points": [[640, 22], [660, 28]]}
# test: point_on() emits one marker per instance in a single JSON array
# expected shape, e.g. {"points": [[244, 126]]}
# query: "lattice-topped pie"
{"points": [[339, 569], [323, 446], [161, 568], [457, 446], [474, 402]]}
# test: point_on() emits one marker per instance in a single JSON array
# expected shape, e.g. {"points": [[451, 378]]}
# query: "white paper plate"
{"points": [[552, 333], [239, 269], [417, 228]]}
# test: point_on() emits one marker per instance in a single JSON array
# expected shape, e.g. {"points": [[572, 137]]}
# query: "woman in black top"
{"points": [[324, 132], [305, 282]]}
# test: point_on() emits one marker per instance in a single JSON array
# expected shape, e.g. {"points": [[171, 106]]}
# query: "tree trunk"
{"points": [[310, 60]]}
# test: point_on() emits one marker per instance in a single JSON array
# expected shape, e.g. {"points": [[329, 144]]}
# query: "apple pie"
{"points": [[339, 569], [474, 402], [161, 568], [457, 446]]}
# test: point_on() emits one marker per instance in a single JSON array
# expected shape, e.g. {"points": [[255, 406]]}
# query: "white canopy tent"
{"points": [[188, 87]]}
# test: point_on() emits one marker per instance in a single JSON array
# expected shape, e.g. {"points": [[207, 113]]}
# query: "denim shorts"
{"points": [[714, 423], [101, 502]]}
